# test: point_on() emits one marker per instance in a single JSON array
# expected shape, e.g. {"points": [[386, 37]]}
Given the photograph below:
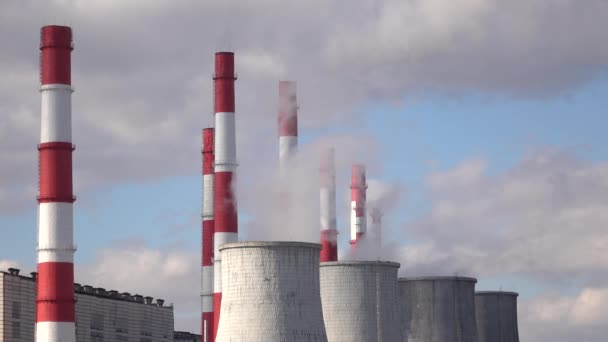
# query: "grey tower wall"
{"points": [[270, 292], [360, 301], [496, 315], [438, 309]]}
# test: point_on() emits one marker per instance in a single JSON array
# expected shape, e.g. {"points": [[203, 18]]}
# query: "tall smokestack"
{"points": [[288, 121], [376, 215], [55, 300], [329, 232], [358, 218], [225, 207], [208, 231]]}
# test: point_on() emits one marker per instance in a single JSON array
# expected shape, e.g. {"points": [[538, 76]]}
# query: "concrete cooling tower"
{"points": [[270, 293], [496, 314], [438, 309], [360, 301]]}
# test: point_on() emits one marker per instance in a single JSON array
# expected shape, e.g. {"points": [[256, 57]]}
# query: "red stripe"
{"points": [[217, 304], [208, 155], [225, 214], [223, 85], [55, 300], [208, 232], [55, 172], [207, 317], [329, 247], [55, 59], [288, 124], [288, 109]]}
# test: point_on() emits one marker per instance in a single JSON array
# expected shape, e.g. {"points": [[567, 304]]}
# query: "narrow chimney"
{"points": [[55, 301], [287, 121], [207, 235], [225, 206], [329, 232], [358, 219], [376, 215]]}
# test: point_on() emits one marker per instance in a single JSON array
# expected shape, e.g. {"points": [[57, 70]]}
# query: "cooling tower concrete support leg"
{"points": [[438, 309], [360, 301], [55, 301], [271, 293], [207, 236], [496, 314]]}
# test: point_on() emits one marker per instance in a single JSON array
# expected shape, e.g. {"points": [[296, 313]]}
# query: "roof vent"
{"points": [[160, 302], [88, 289], [139, 298], [100, 291], [13, 271], [77, 287], [148, 300], [34, 275], [113, 293], [125, 295]]}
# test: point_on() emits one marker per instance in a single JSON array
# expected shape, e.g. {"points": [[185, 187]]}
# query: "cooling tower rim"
{"points": [[360, 263], [433, 278], [258, 244], [493, 293]]}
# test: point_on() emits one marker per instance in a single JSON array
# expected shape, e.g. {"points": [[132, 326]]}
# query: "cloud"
{"points": [[544, 218], [143, 90], [554, 317]]}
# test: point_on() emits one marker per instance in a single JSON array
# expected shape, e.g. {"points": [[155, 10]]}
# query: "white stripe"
{"points": [[220, 239], [207, 197], [225, 142], [56, 113], [288, 146], [328, 208], [207, 280], [55, 232], [358, 224], [55, 332]]}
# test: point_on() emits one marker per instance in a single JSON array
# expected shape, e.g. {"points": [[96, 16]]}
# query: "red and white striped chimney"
{"points": [[358, 219], [208, 231], [329, 232], [288, 121], [225, 207], [55, 300]]}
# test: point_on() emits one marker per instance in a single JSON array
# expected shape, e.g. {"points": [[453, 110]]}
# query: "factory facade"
{"points": [[100, 315]]}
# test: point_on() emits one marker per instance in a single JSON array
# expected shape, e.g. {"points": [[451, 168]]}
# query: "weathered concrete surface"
{"points": [[360, 301], [271, 293], [438, 309], [496, 315]]}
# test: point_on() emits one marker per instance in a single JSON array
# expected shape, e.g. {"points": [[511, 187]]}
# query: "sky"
{"points": [[481, 123]]}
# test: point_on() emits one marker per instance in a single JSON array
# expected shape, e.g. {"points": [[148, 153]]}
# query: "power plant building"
{"points": [[270, 292], [100, 315], [438, 309], [496, 315], [360, 301]]}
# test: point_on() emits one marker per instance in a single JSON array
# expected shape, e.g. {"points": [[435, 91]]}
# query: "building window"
{"points": [[16, 329], [96, 337], [97, 321], [16, 310]]}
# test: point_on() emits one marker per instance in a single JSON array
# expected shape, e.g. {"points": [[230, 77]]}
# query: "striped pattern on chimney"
{"points": [[225, 208], [207, 236], [55, 301], [329, 232], [287, 120], [358, 218]]}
